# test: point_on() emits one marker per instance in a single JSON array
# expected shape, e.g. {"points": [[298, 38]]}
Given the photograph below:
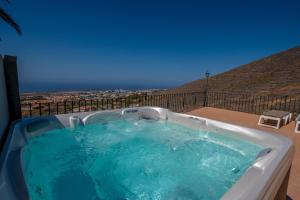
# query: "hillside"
{"points": [[278, 74]]}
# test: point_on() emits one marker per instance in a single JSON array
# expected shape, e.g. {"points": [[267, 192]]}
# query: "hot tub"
{"points": [[141, 153]]}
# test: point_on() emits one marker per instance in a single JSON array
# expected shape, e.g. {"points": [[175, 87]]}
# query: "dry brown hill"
{"points": [[278, 74]]}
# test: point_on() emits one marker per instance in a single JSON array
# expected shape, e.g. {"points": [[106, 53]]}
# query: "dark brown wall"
{"points": [[4, 111]]}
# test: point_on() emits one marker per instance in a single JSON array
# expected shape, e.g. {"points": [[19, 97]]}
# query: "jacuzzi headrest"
{"points": [[101, 117], [140, 113], [40, 125]]}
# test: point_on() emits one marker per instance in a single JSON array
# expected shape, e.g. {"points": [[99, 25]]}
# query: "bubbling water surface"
{"points": [[134, 159]]}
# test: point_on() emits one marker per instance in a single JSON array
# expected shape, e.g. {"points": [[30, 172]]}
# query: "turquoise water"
{"points": [[134, 160]]}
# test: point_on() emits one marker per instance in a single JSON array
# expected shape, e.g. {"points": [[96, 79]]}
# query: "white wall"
{"points": [[4, 115]]}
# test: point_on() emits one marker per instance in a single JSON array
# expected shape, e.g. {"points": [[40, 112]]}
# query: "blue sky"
{"points": [[98, 44]]}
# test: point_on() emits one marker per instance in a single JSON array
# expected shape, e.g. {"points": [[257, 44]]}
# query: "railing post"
{"points": [[91, 105], [40, 109], [168, 103], [252, 107], [263, 104], [271, 101], [259, 106], [30, 111], [294, 105], [205, 98], [139, 100], [49, 109], [65, 107], [267, 107], [285, 100], [206, 89], [183, 99], [72, 105], [289, 104], [79, 105]]}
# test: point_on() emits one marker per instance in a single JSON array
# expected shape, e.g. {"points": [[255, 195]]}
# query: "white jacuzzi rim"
{"points": [[258, 182]]}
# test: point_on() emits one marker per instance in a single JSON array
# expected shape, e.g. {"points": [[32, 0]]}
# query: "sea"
{"points": [[53, 87]]}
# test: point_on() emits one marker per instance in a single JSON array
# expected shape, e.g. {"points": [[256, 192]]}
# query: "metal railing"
{"points": [[177, 102], [255, 104]]}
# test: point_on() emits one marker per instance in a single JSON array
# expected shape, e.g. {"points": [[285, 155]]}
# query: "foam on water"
{"points": [[134, 160]]}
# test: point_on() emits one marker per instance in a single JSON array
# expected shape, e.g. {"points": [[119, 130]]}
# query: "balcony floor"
{"points": [[250, 120]]}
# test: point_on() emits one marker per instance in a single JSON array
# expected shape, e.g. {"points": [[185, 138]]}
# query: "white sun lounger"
{"points": [[297, 127], [274, 118]]}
